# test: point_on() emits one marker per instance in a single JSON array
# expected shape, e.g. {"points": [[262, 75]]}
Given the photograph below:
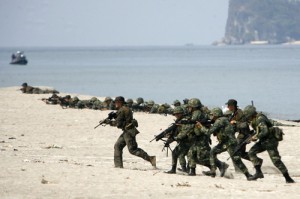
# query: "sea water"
{"points": [[267, 75]]}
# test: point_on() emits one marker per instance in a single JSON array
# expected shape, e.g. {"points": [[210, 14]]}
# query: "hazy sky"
{"points": [[29, 23]]}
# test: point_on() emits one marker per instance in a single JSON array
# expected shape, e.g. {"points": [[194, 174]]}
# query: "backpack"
{"points": [[277, 133]]}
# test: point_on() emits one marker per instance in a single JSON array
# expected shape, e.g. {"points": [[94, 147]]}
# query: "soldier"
{"points": [[176, 103], [139, 105], [125, 121], [227, 142], [164, 109], [182, 138], [54, 99], [106, 105], [129, 103], [267, 141], [26, 88], [149, 105], [35, 90], [240, 125], [200, 150]]}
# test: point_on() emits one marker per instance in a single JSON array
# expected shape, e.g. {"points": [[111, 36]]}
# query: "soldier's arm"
{"points": [[262, 130], [183, 133], [119, 121]]}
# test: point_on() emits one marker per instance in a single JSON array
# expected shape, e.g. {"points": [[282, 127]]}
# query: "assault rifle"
{"points": [[111, 115], [246, 140]]}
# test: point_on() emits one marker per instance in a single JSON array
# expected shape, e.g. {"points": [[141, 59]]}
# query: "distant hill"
{"points": [[262, 21]]}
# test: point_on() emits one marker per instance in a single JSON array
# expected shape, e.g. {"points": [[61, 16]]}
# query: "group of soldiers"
{"points": [[195, 125], [193, 137], [139, 105], [194, 128]]}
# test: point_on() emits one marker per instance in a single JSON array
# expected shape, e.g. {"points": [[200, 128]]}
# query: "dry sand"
{"points": [[50, 152]]}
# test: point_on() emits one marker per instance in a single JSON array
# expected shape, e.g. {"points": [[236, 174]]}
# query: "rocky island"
{"points": [[262, 22]]}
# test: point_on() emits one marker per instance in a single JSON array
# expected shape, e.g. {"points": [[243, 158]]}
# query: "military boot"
{"points": [[172, 171], [222, 166], [183, 169], [258, 173], [288, 178], [193, 172], [211, 173], [248, 175], [152, 160]]}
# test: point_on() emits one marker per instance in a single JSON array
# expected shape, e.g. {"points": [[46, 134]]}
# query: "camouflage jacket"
{"points": [[223, 130], [261, 125], [124, 118]]}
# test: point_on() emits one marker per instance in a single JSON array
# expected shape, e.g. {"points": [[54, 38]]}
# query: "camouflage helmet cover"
{"points": [[195, 103], [140, 100], [217, 112], [249, 111], [107, 99], [150, 102], [176, 102], [130, 101], [178, 110]]}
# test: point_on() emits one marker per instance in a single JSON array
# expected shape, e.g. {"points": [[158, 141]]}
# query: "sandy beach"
{"points": [[50, 152]]}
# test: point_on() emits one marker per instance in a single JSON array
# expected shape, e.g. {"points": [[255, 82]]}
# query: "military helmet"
{"points": [[217, 112], [107, 99], [24, 84], [166, 105], [249, 111], [178, 110], [93, 99], [75, 98], [139, 100], [129, 101], [150, 102], [120, 99], [176, 103], [195, 103]]}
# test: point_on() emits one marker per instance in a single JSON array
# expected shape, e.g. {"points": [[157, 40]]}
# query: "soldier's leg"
{"points": [[255, 149], [256, 161], [192, 160], [276, 159], [118, 151], [175, 154], [219, 148], [134, 150], [236, 158], [182, 162], [184, 149]]}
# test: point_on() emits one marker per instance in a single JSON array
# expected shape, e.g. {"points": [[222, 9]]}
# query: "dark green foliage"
{"points": [[276, 21]]}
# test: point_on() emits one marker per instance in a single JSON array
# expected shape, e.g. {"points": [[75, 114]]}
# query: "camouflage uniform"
{"points": [[183, 146], [199, 153], [35, 90], [183, 138], [196, 114], [267, 142], [224, 132], [125, 121]]}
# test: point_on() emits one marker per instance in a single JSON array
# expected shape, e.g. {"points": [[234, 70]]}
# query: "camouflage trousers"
{"points": [[236, 158], [272, 148], [180, 151], [127, 138], [242, 150], [199, 155]]}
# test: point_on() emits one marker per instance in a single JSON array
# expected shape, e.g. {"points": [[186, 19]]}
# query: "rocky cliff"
{"points": [[262, 21]]}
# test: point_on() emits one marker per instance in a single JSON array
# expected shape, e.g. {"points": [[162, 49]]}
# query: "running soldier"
{"points": [[267, 141]]}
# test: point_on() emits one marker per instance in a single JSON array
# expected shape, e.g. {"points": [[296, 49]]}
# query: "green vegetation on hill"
{"points": [[274, 21]]}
